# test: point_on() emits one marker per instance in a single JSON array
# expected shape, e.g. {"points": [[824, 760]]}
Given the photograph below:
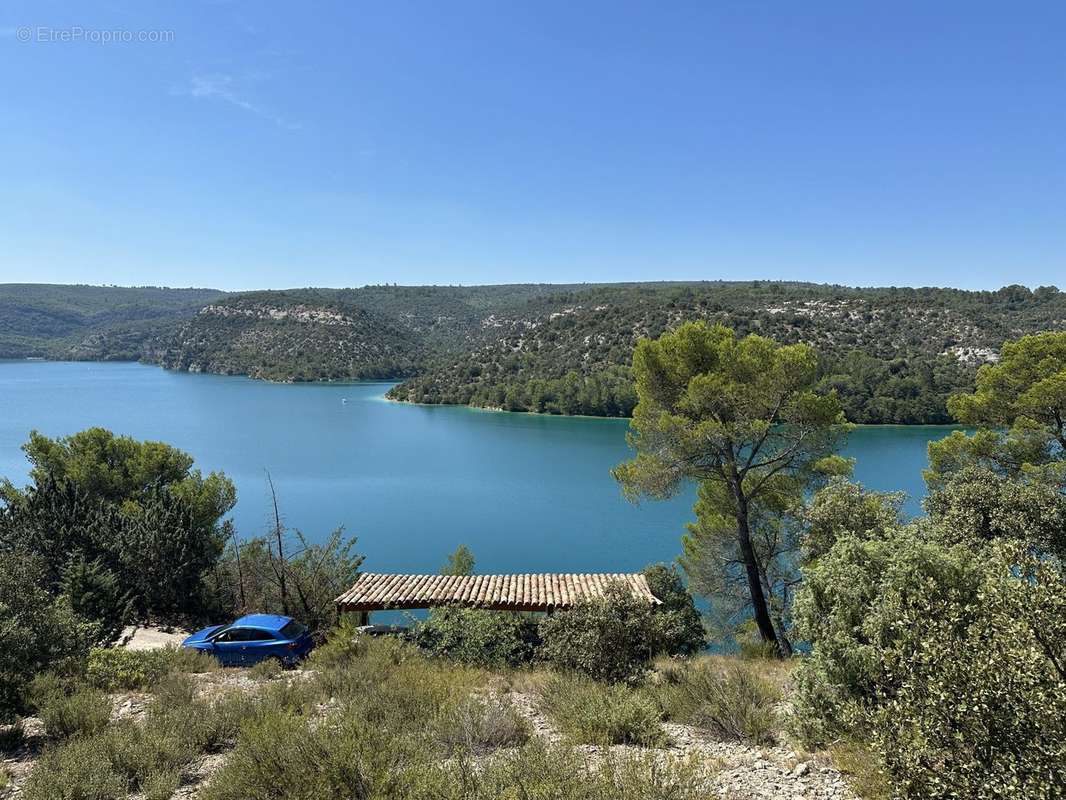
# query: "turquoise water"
{"points": [[526, 493]]}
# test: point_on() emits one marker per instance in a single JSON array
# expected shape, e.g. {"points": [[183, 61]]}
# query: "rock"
{"points": [[801, 769]]}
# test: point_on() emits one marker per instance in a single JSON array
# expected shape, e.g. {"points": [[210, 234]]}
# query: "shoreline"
{"points": [[396, 381]]}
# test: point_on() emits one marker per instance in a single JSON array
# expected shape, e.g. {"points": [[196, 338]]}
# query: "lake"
{"points": [[526, 493]]}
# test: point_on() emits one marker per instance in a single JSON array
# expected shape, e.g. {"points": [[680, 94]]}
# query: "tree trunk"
{"points": [[760, 608], [281, 566]]}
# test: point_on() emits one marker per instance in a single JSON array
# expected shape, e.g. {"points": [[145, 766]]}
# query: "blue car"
{"points": [[253, 638]]}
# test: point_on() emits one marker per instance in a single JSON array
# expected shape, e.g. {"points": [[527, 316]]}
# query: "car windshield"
{"points": [[221, 630], [293, 629]]}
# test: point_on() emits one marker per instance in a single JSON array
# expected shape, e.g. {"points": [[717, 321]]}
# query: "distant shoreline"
{"points": [[394, 381]]}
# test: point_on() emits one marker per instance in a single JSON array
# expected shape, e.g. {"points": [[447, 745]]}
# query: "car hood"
{"points": [[201, 635]]}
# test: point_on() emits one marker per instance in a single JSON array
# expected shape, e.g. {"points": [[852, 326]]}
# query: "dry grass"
{"points": [[732, 698], [596, 713], [862, 770]]}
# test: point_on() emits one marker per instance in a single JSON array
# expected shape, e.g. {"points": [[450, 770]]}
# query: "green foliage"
{"points": [[946, 647], [738, 415], [122, 471], [113, 669], [37, 630], [481, 638], [1020, 402], [891, 355], [844, 509], [461, 562], [681, 629], [88, 322], [65, 713], [481, 724], [118, 511], [610, 638], [596, 713], [977, 505], [95, 592], [77, 770], [734, 701]]}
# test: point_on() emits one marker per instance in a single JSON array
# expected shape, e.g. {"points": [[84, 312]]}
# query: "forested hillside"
{"points": [[892, 354], [102, 322]]}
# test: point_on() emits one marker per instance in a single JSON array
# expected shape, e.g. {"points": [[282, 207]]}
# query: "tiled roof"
{"points": [[527, 592]]}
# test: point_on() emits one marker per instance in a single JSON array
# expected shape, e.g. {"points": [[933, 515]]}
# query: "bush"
{"points": [[482, 724], [681, 629], [732, 701], [267, 669], [481, 638], [95, 593], [281, 757], [596, 713], [946, 656], [37, 631], [539, 770], [113, 669], [343, 644], [611, 638], [76, 770], [65, 713]]}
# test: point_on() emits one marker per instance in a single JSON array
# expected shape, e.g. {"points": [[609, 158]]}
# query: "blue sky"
{"points": [[338, 144]]}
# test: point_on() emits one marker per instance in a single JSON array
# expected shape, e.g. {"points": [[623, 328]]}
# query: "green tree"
{"points": [[461, 562], [977, 505], [738, 415], [123, 472], [1020, 406]]}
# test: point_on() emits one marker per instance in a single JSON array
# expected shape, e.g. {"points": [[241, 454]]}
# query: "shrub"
{"points": [[481, 638], [95, 593], [343, 644], [83, 710], [136, 752], [267, 669], [681, 629], [76, 770], [113, 669], [481, 724], [185, 659], [37, 631], [610, 638], [596, 713], [281, 757], [732, 701], [539, 770], [948, 657]]}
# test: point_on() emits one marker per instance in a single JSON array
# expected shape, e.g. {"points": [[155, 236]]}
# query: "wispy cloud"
{"points": [[221, 87]]}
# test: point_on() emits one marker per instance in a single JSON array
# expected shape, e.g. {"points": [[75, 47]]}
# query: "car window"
{"points": [[257, 635], [292, 630], [229, 635]]}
